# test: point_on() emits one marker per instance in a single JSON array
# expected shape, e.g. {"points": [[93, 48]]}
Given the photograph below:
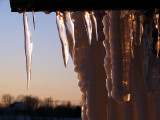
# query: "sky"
{"points": [[49, 77]]}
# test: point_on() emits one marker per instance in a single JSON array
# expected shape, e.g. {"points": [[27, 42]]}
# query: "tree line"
{"points": [[46, 107]]}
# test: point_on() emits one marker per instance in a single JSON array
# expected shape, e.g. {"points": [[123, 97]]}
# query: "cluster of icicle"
{"points": [[152, 47], [129, 63], [64, 24], [120, 29], [63, 35], [123, 34]]}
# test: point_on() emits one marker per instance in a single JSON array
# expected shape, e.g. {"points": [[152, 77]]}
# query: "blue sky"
{"points": [[49, 76]]}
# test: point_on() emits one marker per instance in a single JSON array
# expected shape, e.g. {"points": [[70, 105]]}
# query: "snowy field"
{"points": [[34, 118]]}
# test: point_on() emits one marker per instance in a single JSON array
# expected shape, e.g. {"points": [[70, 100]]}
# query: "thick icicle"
{"points": [[126, 55], [116, 55], [90, 69], [63, 37], [28, 47], [33, 13], [117, 59], [107, 60], [95, 24], [70, 27], [89, 26]]}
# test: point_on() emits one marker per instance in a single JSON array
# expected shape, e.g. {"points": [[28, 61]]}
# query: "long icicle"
{"points": [[63, 37], [70, 27], [28, 47], [116, 55], [89, 26]]}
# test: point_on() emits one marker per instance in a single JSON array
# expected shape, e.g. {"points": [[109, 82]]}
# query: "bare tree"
{"points": [[48, 102], [7, 100], [69, 104], [32, 102], [20, 98]]}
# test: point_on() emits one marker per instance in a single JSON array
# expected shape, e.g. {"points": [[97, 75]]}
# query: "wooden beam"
{"points": [[75, 5]]}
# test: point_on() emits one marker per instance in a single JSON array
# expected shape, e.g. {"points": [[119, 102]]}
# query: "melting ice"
{"points": [[28, 47], [89, 26], [63, 37]]}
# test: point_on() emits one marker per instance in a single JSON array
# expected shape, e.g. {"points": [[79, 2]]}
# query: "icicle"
{"points": [[107, 60], [141, 28], [95, 24], [28, 47], [91, 82], [70, 27], [33, 13], [63, 37], [116, 55], [89, 26], [126, 53]]}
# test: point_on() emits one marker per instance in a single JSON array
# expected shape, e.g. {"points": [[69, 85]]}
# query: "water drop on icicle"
{"points": [[70, 27], [33, 13], [95, 24], [28, 48], [62, 36], [89, 26]]}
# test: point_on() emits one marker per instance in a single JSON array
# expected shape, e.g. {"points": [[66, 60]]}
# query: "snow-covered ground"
{"points": [[34, 118]]}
